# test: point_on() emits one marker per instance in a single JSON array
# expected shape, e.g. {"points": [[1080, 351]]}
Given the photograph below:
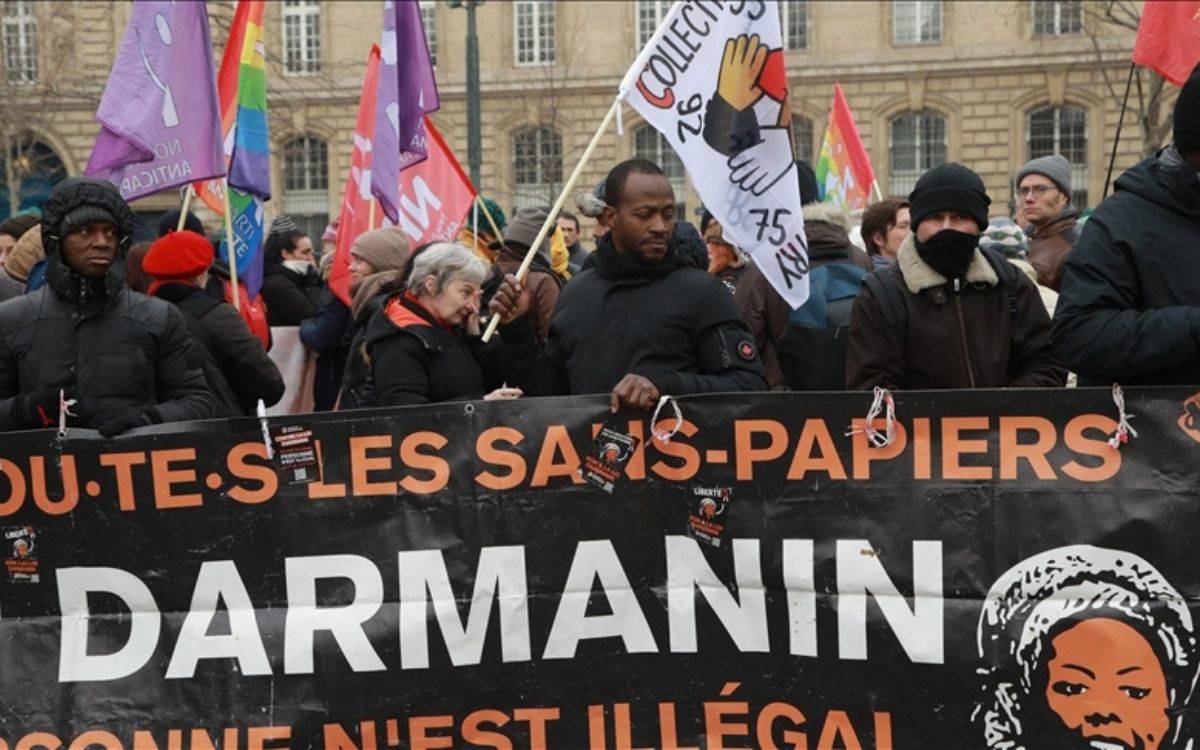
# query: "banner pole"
{"points": [[371, 216], [183, 210], [875, 191], [1112, 160], [552, 217], [488, 215], [232, 253]]}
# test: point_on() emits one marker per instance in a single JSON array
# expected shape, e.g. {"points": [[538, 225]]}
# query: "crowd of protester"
{"points": [[929, 291]]}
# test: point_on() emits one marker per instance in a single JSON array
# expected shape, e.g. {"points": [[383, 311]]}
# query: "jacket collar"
{"points": [[919, 275], [1066, 219]]}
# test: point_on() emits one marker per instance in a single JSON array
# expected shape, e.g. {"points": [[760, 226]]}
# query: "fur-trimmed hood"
{"points": [[919, 275], [826, 212]]}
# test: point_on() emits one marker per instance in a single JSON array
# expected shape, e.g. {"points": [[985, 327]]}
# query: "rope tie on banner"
{"points": [[1124, 429], [664, 436], [266, 432], [64, 411], [882, 400]]}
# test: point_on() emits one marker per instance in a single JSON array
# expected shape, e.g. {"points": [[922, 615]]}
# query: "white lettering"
{"points": [[687, 570], [74, 585], [219, 581], [860, 573], [345, 622]]}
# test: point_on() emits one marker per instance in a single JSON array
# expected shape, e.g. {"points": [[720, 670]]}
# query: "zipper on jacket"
{"points": [[962, 331]]}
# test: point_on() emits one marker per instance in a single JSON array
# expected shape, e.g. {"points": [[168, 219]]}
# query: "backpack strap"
{"points": [[1010, 279], [884, 285]]}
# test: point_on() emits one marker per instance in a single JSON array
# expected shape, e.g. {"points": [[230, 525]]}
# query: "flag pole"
{"points": [[1112, 160], [488, 215], [551, 218], [371, 216], [232, 250], [183, 210], [875, 191]]}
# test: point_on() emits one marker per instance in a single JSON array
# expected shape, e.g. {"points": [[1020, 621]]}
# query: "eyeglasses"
{"points": [[1037, 191]]}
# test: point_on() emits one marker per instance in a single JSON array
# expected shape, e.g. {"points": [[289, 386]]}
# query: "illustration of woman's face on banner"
{"points": [[1107, 686], [1086, 648]]}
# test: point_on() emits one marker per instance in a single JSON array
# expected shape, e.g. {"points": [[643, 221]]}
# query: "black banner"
{"points": [[441, 577]]}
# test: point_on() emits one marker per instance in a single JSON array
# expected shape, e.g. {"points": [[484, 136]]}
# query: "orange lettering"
{"points": [[164, 476], [70, 498], [16, 482], [953, 447], [743, 444], [816, 434], [677, 449], [268, 481], [557, 441], [361, 464], [865, 453], [123, 464], [485, 448], [476, 736], [837, 723], [414, 459], [1074, 438], [418, 726], [1012, 450]]}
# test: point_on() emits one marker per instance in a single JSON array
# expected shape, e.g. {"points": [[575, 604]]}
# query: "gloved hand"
{"points": [[39, 408], [116, 422]]}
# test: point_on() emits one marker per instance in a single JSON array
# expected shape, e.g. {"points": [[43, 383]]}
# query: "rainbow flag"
{"points": [[844, 173], [242, 95]]}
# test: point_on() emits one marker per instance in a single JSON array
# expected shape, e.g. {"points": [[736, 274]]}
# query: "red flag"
{"points": [[1168, 39], [844, 172], [435, 194], [356, 203]]}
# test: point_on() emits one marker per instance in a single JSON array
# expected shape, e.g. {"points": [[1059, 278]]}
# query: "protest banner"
{"points": [[713, 81], [159, 118], [441, 577]]}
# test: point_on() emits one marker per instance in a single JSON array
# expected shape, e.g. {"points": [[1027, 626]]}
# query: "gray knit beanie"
{"points": [[1005, 237], [385, 249], [1054, 167]]}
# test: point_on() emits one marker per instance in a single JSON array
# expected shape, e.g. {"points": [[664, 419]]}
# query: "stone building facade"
{"points": [[987, 83]]}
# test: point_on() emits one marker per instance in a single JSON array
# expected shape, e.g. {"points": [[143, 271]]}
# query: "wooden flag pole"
{"points": [[552, 217], [183, 210], [232, 253], [371, 216], [488, 215], [875, 191]]}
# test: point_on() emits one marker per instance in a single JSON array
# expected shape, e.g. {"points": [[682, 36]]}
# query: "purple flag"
{"points": [[160, 125], [407, 92]]}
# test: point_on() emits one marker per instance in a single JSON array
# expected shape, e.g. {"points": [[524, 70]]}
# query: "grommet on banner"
{"points": [[882, 400], [1124, 429], [64, 411], [664, 436], [266, 432]]}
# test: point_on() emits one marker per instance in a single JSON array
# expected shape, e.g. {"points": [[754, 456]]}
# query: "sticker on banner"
{"points": [[21, 558], [605, 460], [295, 453], [706, 517]]}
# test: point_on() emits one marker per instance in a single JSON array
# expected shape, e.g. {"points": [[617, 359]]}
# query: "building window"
{"points": [[429, 22], [34, 168], [918, 143], [795, 23], [650, 14], [1057, 17], [916, 22], [301, 37], [20, 42], [535, 32], [537, 166], [306, 184], [1063, 130], [651, 145], [802, 138]]}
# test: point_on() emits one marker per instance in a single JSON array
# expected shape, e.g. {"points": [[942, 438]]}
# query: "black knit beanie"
{"points": [[949, 187], [1187, 115]]}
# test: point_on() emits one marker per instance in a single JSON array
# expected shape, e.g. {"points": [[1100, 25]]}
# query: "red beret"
{"points": [[178, 255]]}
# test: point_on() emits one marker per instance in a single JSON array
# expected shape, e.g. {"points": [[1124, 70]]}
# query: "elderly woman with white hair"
{"points": [[424, 345]]}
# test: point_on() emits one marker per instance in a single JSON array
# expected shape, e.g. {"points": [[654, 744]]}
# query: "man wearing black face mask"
{"points": [[1129, 307], [947, 314]]}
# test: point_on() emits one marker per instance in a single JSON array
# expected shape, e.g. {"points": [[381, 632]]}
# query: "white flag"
{"points": [[712, 80]]}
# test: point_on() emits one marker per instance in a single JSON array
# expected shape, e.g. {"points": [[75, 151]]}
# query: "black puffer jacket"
{"points": [[290, 297], [415, 359], [244, 369], [678, 327], [1129, 306], [127, 351], [358, 390]]}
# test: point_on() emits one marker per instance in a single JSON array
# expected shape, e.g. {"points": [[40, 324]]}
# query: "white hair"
{"points": [[446, 262]]}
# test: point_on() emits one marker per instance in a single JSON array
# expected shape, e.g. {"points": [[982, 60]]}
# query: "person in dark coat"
{"points": [[576, 255], [126, 358], [541, 281], [1129, 305], [643, 321], [1043, 188], [943, 316], [424, 346], [777, 328], [291, 286], [725, 260], [236, 368], [377, 260]]}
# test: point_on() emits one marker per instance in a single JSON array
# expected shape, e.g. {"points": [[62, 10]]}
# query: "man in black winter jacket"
{"points": [[236, 368], [1129, 306], [126, 358], [641, 322]]}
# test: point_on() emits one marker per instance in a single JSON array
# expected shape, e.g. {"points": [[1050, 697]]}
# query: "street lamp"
{"points": [[474, 139]]}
